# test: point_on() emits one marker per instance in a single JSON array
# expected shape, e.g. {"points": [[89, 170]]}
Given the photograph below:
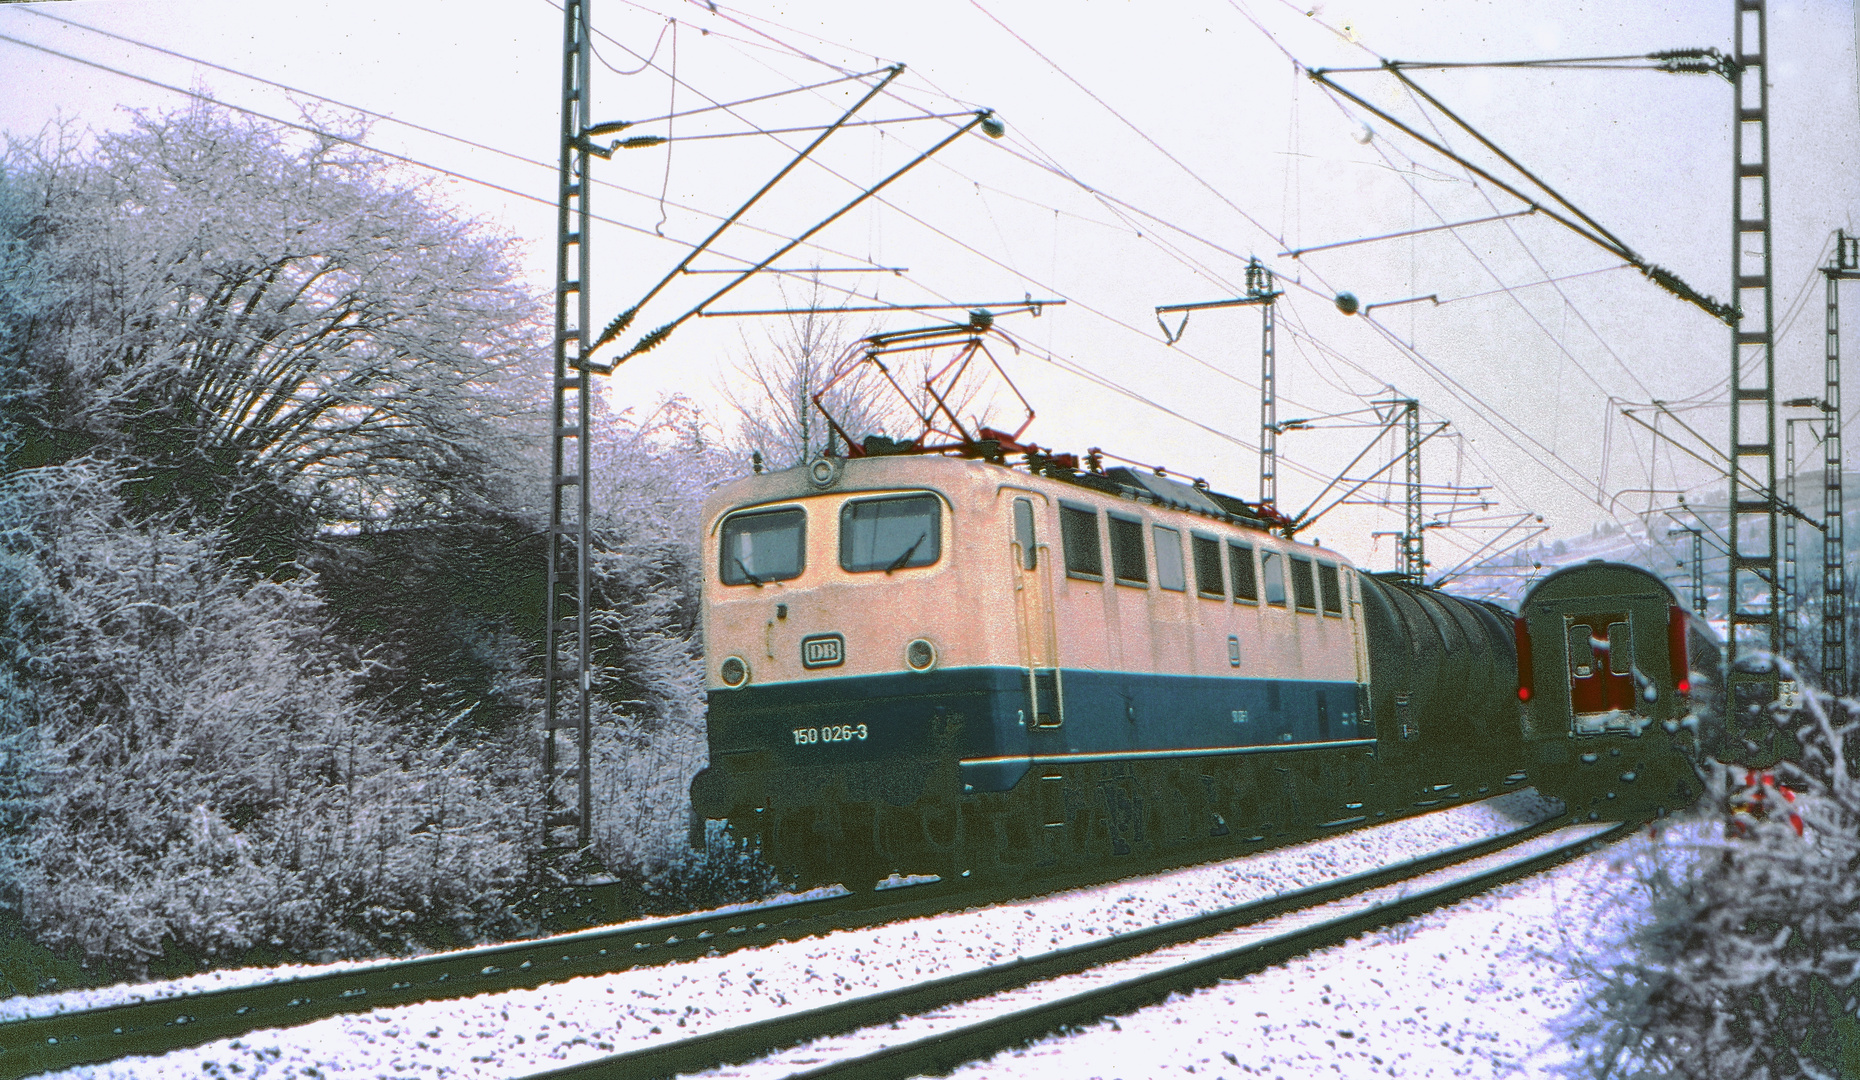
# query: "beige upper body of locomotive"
{"points": [[980, 604]]}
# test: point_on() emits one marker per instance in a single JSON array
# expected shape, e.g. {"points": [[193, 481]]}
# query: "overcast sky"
{"points": [[1150, 149]]}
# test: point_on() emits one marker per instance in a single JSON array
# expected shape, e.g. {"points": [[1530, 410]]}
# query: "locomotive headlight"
{"points": [[920, 655], [734, 672]]}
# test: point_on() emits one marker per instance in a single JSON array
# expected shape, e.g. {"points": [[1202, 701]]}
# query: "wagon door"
{"points": [[1600, 652], [1033, 612]]}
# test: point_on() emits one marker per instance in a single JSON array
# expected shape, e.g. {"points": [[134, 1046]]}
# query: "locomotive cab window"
{"points": [[1304, 592], [1169, 570], [1078, 534], [1331, 589], [762, 546], [1208, 581], [1246, 580], [891, 533], [1272, 570], [1127, 561], [1023, 534]]}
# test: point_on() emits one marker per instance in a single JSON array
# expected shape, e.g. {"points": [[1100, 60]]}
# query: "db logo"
{"points": [[823, 650]]}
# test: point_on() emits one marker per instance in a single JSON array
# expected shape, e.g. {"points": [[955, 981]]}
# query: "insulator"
{"points": [[617, 327], [646, 343]]}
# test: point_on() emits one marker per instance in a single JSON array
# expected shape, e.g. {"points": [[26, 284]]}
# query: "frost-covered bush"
{"points": [[196, 767], [1745, 964]]}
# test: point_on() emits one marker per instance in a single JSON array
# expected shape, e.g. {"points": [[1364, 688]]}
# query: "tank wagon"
{"points": [[926, 665], [1621, 688]]}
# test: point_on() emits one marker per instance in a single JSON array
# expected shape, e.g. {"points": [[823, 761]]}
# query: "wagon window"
{"points": [[1169, 570], [1208, 580], [891, 534], [1023, 533], [1272, 569], [1078, 533], [767, 545], [1581, 651], [1127, 561], [1246, 583], [1331, 588], [1620, 648]]}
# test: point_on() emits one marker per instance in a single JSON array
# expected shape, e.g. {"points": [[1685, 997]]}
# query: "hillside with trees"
{"points": [[271, 490]]}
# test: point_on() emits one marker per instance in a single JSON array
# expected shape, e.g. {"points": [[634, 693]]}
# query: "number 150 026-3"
{"points": [[804, 736]]}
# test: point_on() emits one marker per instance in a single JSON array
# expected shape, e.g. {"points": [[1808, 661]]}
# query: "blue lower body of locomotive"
{"points": [[997, 722]]}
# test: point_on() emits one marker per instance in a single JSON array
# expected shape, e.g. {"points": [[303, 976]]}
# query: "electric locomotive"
{"points": [[935, 666], [1621, 688]]}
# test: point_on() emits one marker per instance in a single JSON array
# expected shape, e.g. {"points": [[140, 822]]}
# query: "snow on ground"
{"points": [[25, 1006], [1476, 990], [500, 1035]]}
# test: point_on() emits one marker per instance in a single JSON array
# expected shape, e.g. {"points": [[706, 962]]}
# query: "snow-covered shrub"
{"points": [[199, 770], [1745, 964]]}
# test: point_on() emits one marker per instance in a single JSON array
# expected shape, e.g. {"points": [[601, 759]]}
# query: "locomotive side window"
{"points": [[1169, 570], [1620, 648], [1078, 533], [1127, 561], [1208, 581], [1023, 533], [1331, 588], [1303, 591], [1272, 569], [1246, 583], [767, 545], [890, 534]]}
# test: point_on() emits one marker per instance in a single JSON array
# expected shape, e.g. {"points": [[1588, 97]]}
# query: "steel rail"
{"points": [[951, 1045], [159, 1025], [89, 1036]]}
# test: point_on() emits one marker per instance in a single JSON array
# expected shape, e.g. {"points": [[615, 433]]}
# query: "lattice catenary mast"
{"points": [[565, 645], [1260, 294], [1845, 265], [1752, 571]]}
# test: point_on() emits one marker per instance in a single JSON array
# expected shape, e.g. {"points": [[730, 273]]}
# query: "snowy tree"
{"points": [[216, 340], [264, 406], [1748, 963], [772, 388], [278, 334]]}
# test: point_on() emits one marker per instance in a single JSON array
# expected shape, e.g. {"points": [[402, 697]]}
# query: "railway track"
{"points": [[159, 1025], [934, 1026], [163, 1024]]}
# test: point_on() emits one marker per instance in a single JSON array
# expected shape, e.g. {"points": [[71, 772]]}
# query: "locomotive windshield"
{"points": [[763, 546], [890, 534]]}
